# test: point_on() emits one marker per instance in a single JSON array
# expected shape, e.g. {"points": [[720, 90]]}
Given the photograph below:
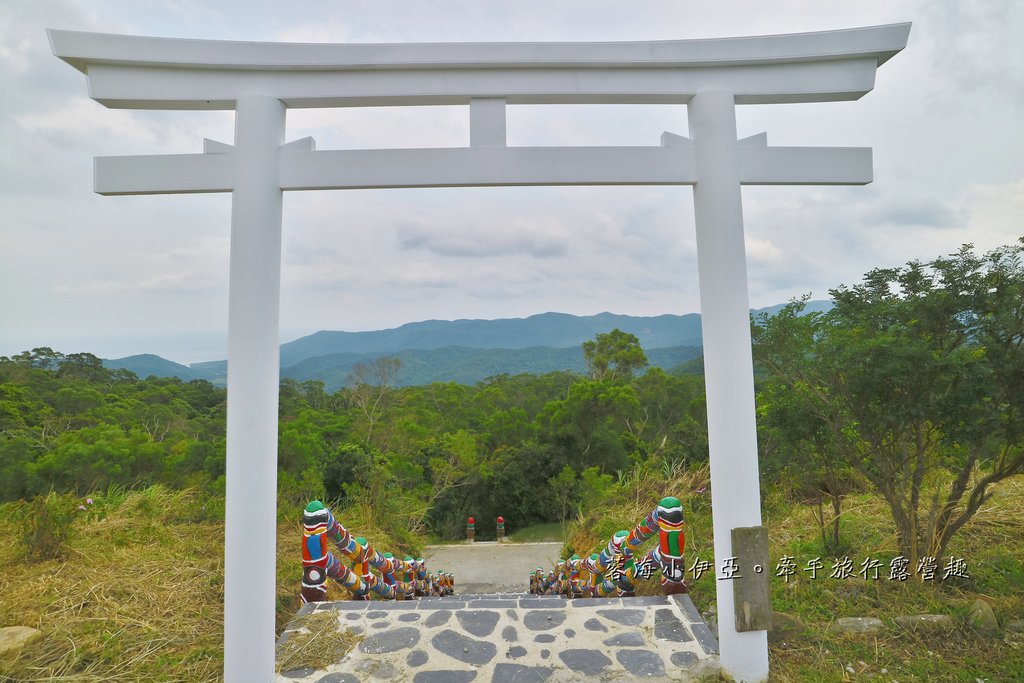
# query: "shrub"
{"points": [[47, 524]]}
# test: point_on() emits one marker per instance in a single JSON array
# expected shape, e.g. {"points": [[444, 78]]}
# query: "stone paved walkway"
{"points": [[517, 638]]}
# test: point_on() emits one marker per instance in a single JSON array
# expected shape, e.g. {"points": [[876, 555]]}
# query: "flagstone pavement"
{"points": [[517, 638]]}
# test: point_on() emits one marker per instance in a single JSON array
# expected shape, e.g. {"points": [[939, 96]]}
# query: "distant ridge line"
{"points": [[464, 350]]}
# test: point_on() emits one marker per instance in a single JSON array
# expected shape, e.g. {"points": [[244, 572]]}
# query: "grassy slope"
{"points": [[993, 547], [538, 533], [138, 595], [992, 544]]}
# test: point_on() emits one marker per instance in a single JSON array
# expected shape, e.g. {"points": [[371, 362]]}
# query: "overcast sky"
{"points": [[122, 275]]}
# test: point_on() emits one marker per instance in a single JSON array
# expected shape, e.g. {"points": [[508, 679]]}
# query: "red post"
{"points": [[470, 530]]}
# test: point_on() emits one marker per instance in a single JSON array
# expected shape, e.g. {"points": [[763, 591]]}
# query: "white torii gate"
{"points": [[261, 80]]}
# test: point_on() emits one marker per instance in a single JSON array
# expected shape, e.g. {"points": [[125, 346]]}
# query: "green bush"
{"points": [[48, 523]]}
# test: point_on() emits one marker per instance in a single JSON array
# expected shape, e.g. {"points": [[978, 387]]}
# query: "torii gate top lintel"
{"points": [[172, 73]]}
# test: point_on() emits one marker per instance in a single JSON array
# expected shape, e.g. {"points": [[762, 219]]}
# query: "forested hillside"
{"points": [[891, 429], [914, 373], [438, 451]]}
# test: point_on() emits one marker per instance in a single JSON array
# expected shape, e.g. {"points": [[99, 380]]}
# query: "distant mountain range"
{"points": [[147, 364], [557, 330], [463, 351]]}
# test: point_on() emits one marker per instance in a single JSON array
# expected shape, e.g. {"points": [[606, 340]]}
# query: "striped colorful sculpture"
{"points": [[409, 573], [615, 570], [536, 579], [574, 586], [562, 580], [591, 575], [446, 583], [671, 544], [319, 525], [372, 572], [549, 584], [422, 584], [610, 566], [667, 521]]}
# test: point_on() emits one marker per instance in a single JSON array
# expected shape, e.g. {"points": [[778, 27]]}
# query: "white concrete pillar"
{"points": [[253, 376], [487, 122], [728, 363]]}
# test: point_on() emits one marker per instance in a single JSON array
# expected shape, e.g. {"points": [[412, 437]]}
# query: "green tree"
{"points": [[587, 427], [16, 455], [43, 357], [565, 492], [96, 457], [799, 450], [915, 375], [516, 484], [614, 355], [673, 423], [83, 366], [452, 463], [345, 465], [300, 445], [372, 393], [508, 428]]}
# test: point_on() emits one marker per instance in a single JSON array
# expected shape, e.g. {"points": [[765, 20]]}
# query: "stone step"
{"points": [[506, 638]]}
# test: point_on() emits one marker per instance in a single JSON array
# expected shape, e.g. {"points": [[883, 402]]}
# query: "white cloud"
{"points": [[83, 118], [382, 127], [100, 287], [996, 213], [419, 275], [537, 236], [329, 31], [761, 252], [977, 45], [943, 123]]}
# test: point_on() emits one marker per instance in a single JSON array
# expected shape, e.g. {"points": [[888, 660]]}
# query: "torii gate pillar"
{"points": [[728, 362], [254, 293]]}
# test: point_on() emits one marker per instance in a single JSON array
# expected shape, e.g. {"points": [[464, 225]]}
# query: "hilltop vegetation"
{"points": [[438, 452], [891, 424], [916, 372]]}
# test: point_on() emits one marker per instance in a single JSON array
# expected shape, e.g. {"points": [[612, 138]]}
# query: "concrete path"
{"points": [[490, 567], [517, 638]]}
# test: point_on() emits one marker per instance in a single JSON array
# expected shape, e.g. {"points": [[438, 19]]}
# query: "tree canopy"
{"points": [[910, 385], [913, 380], [431, 455], [614, 355]]}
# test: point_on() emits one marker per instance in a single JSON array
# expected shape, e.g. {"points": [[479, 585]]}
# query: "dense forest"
{"points": [[436, 453], [910, 386]]}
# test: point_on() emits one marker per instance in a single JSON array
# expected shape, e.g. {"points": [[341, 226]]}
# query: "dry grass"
{"points": [[633, 500], [134, 597], [992, 544], [317, 642], [1002, 516], [138, 595]]}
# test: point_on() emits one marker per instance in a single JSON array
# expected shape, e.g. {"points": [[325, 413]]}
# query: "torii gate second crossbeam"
{"points": [[260, 81]]}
